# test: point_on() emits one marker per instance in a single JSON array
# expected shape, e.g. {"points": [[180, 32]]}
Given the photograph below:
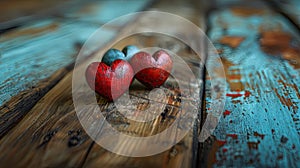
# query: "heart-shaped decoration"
{"points": [[110, 81], [113, 54], [154, 70]]}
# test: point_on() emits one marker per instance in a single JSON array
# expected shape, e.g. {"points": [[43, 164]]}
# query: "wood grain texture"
{"points": [[51, 136], [48, 134], [101, 12], [180, 155], [41, 47], [259, 126], [16, 108], [16, 13], [168, 110], [32, 53]]}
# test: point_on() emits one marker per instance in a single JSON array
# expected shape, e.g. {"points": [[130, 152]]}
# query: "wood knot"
{"points": [[48, 137], [75, 137], [74, 141]]}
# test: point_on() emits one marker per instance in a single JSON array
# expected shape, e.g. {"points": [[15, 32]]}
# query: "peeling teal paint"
{"points": [[261, 122], [31, 57]]}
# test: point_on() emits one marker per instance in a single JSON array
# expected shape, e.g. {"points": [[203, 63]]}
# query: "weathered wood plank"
{"points": [[32, 55], [17, 13], [12, 112], [179, 155], [49, 135], [259, 126], [37, 140], [35, 51], [40, 48], [101, 12]]}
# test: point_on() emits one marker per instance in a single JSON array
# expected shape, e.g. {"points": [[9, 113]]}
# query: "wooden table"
{"points": [[259, 47]]}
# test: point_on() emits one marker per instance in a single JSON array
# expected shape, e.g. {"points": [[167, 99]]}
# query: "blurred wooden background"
{"points": [[258, 42]]}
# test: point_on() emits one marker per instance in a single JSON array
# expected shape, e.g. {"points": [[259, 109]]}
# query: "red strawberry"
{"points": [[154, 70], [110, 81]]}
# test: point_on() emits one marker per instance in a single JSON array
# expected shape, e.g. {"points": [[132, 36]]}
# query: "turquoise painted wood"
{"points": [[29, 58], [100, 12], [260, 124], [37, 49]]}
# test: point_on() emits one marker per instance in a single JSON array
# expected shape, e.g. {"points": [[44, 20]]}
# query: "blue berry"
{"points": [[111, 55]]}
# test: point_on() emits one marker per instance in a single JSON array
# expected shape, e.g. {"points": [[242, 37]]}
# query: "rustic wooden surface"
{"points": [[33, 44], [259, 45], [50, 135], [259, 126], [41, 48]]}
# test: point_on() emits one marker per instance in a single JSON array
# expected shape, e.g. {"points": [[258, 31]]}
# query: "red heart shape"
{"points": [[110, 81], [154, 70]]}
